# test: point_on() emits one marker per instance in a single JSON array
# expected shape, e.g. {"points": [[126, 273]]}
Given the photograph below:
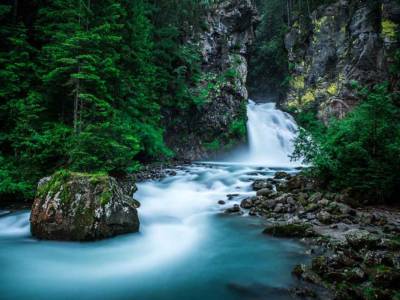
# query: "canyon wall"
{"points": [[345, 44], [220, 122]]}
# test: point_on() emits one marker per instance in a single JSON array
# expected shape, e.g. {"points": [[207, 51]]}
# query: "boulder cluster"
{"points": [[363, 266], [293, 199], [356, 250]]}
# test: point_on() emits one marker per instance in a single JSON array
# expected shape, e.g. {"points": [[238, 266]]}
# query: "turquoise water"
{"points": [[187, 249]]}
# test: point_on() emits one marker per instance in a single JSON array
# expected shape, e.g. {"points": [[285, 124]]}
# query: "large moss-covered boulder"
{"points": [[82, 207]]}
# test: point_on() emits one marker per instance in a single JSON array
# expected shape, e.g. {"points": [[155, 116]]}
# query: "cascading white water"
{"points": [[271, 133]]}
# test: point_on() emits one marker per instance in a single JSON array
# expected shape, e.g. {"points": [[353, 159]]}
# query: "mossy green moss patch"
{"points": [[105, 197]]}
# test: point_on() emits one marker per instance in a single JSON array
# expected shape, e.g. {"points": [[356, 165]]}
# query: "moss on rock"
{"points": [[82, 206]]}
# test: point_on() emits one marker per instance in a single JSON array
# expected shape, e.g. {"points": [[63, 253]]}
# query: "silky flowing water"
{"points": [[186, 248]]}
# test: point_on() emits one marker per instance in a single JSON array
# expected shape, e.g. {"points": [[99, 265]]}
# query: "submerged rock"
{"points": [[82, 207]]}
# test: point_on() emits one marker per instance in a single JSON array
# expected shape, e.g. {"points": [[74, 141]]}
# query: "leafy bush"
{"points": [[362, 151]]}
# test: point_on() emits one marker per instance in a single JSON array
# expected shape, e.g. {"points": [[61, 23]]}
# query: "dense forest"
{"points": [[86, 85]]}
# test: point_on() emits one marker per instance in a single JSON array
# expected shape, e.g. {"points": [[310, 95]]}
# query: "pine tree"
{"points": [[19, 105]]}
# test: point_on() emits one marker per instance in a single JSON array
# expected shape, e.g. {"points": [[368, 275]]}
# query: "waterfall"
{"points": [[271, 133]]}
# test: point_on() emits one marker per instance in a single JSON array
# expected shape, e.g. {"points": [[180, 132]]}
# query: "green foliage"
{"points": [[91, 86], [215, 145], [362, 151], [238, 128]]}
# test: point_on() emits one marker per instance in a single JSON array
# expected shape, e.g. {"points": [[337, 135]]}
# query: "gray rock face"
{"points": [[82, 207], [229, 30], [348, 41]]}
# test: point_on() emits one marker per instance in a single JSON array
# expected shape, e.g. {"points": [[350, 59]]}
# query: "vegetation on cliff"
{"points": [[351, 136], [361, 151]]}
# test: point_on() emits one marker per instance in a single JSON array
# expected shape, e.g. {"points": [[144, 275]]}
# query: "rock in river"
{"points": [[82, 207]]}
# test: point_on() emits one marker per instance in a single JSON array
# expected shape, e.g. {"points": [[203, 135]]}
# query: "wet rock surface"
{"points": [[82, 207], [355, 250]]}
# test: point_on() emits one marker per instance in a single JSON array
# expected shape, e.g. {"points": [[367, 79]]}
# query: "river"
{"points": [[186, 249]]}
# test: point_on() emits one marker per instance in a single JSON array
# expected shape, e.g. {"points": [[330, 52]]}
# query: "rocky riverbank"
{"points": [[355, 250]]}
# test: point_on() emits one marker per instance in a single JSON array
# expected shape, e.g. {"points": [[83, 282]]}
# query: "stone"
{"points": [[281, 175], [311, 207], [319, 264], [360, 238], [253, 211], [310, 216], [231, 196], [221, 202], [265, 192], [290, 200], [269, 204], [314, 198], [234, 209], [324, 217], [304, 293], [323, 202], [261, 184], [297, 182], [247, 203], [347, 46], [279, 208], [356, 275], [345, 209], [290, 230], [82, 207]]}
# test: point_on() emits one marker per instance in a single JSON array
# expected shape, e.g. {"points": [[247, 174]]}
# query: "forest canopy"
{"points": [[86, 85]]}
